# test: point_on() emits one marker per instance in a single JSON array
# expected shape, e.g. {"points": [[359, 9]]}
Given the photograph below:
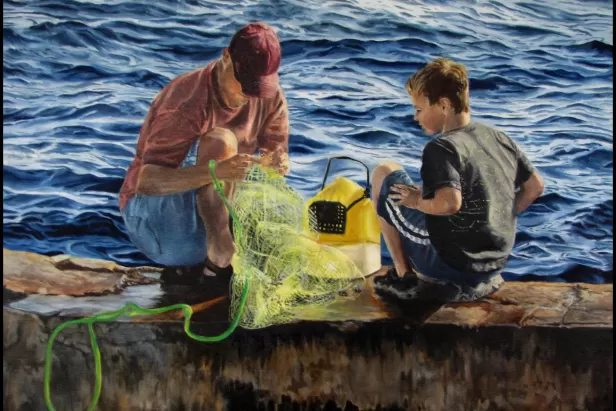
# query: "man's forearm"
{"points": [[158, 180]]}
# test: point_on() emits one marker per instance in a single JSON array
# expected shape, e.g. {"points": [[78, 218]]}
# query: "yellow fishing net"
{"points": [[288, 272]]}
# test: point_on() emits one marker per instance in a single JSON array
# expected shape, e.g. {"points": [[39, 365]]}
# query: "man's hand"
{"points": [[235, 168], [277, 159], [407, 196]]}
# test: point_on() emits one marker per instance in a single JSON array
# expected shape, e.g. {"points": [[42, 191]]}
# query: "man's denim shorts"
{"points": [[168, 229], [411, 224]]}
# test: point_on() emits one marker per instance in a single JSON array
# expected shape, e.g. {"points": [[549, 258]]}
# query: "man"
{"points": [[225, 111], [458, 230]]}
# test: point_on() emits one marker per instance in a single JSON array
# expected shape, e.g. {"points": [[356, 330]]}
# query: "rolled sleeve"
{"points": [[168, 137], [524, 167], [440, 168], [275, 131]]}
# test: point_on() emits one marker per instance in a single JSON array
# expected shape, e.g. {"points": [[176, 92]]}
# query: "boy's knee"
{"points": [[217, 144], [382, 171]]}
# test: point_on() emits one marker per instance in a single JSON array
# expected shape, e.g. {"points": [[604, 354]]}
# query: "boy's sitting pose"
{"points": [[457, 231]]}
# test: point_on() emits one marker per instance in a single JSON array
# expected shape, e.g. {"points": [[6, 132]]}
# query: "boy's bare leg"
{"points": [[218, 144], [390, 234]]}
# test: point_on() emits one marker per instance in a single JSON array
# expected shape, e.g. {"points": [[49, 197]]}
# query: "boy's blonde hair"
{"points": [[442, 77]]}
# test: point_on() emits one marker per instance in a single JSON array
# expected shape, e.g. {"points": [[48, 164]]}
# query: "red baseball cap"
{"points": [[255, 52]]}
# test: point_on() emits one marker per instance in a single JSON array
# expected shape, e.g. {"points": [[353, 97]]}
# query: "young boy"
{"points": [[457, 231]]}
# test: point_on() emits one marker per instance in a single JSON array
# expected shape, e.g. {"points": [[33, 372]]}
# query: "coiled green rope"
{"points": [[131, 310]]}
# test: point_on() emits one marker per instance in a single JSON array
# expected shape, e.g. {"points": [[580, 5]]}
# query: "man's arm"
{"points": [[167, 135], [529, 191], [273, 140], [159, 180]]}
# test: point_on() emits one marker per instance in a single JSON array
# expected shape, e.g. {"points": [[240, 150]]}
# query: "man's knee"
{"points": [[217, 144]]}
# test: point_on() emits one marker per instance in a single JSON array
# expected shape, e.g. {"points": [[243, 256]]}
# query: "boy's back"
{"points": [[487, 167], [459, 228]]}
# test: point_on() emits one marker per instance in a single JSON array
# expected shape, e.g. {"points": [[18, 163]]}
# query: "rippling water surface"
{"points": [[79, 77]]}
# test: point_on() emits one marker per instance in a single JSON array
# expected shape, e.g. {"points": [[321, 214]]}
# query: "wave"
{"points": [[577, 273], [600, 46], [60, 178], [595, 222], [599, 158], [53, 71], [497, 82]]}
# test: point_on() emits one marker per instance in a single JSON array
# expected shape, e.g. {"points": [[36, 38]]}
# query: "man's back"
{"points": [[189, 106], [480, 236]]}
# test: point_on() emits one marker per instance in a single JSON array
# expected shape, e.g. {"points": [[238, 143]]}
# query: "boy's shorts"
{"points": [[168, 229], [411, 224]]}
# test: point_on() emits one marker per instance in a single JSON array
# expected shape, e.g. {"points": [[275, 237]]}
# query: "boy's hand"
{"points": [[277, 159], [407, 196]]}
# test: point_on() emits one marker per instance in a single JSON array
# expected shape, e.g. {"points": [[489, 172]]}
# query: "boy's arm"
{"points": [[446, 201], [527, 179], [441, 194], [529, 191]]}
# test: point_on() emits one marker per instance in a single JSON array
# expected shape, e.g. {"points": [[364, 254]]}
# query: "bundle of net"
{"points": [[288, 272]]}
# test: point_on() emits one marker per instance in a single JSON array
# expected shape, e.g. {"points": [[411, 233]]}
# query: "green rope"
{"points": [[131, 309]]}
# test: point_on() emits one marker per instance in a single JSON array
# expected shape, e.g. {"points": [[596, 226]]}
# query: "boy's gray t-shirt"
{"points": [[487, 167]]}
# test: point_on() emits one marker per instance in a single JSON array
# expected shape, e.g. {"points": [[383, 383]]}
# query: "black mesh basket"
{"points": [[329, 217]]}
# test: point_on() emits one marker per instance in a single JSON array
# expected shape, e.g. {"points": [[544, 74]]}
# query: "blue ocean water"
{"points": [[79, 77]]}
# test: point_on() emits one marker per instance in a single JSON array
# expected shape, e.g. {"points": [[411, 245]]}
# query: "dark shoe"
{"points": [[182, 275], [194, 276], [411, 287], [222, 273], [405, 287]]}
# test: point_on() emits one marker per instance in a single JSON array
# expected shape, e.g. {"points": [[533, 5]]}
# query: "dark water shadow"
{"points": [[10, 296], [368, 306], [411, 312], [214, 317]]}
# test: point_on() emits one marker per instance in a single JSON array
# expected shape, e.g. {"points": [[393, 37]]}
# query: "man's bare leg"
{"points": [[390, 234], [218, 144]]}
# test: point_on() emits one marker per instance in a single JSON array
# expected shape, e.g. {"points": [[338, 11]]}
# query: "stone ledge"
{"points": [[530, 346], [516, 304], [30, 273], [381, 365]]}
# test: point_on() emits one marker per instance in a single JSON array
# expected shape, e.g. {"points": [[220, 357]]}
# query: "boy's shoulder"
{"points": [[440, 143], [473, 128], [436, 150], [452, 140], [469, 134], [463, 143]]}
